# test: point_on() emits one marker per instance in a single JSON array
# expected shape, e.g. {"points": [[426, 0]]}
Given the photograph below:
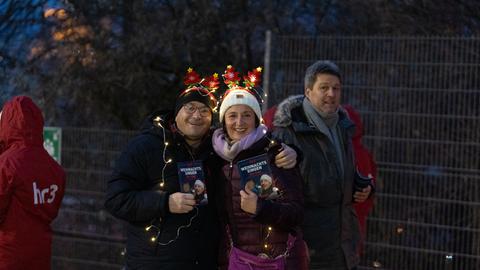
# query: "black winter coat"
{"points": [[330, 227], [134, 194]]}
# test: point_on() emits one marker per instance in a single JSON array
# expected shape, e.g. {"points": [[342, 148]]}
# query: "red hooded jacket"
{"points": [[366, 166], [32, 185]]}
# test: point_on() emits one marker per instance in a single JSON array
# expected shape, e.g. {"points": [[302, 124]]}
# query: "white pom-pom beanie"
{"points": [[266, 177], [200, 183], [239, 96]]}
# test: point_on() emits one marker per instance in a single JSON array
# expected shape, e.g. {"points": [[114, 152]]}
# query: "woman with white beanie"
{"points": [[264, 228]]}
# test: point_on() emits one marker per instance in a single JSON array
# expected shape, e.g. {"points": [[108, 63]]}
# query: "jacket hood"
{"points": [[283, 115], [288, 114], [21, 123]]}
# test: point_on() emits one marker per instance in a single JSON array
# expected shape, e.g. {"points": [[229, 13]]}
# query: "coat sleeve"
{"points": [[129, 194], [6, 190], [286, 212], [285, 135]]}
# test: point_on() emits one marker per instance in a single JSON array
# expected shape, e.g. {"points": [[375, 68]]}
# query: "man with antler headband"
{"points": [[167, 228]]}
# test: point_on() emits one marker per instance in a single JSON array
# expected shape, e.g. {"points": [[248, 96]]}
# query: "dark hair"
{"points": [[320, 67]]}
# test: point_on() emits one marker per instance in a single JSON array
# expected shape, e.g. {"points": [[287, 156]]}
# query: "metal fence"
{"points": [[420, 101], [85, 236]]}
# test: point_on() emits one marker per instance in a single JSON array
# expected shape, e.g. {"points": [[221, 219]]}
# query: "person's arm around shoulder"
{"points": [[291, 155], [288, 157], [285, 135]]}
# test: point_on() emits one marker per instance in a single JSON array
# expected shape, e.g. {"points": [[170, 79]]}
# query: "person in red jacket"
{"points": [[32, 185], [363, 160], [366, 166], [268, 116]]}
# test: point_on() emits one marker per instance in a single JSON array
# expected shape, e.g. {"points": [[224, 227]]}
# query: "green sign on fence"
{"points": [[52, 142]]}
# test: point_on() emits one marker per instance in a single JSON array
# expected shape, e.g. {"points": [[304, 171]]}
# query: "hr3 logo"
{"points": [[39, 195]]}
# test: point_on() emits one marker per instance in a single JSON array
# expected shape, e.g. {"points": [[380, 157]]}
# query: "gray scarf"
{"points": [[327, 124]]}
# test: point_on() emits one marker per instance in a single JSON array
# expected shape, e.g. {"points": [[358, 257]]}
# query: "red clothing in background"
{"points": [[268, 117], [366, 166], [31, 188]]}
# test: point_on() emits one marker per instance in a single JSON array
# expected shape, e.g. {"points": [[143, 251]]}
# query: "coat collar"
{"points": [[290, 112]]}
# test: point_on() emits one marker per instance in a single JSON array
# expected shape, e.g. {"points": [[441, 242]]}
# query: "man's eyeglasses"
{"points": [[191, 109]]}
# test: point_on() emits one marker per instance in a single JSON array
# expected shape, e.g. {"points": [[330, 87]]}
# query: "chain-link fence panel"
{"points": [[85, 235], [419, 98]]}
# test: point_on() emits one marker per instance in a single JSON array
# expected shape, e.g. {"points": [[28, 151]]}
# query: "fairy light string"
{"points": [[158, 122], [265, 240], [156, 238], [166, 161], [205, 87]]}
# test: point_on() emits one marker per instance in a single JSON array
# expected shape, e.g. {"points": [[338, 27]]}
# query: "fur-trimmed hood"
{"points": [[290, 112], [283, 115]]}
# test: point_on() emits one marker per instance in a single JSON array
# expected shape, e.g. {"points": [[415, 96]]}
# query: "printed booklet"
{"points": [[192, 180], [256, 175]]}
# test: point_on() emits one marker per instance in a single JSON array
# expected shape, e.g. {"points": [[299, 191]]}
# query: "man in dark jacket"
{"points": [[315, 123], [32, 185], [167, 229]]}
